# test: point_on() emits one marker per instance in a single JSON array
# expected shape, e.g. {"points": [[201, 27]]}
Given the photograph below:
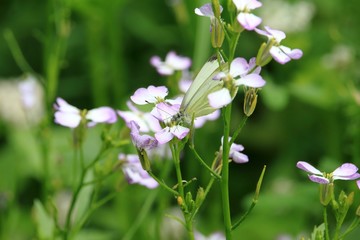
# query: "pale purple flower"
{"points": [[172, 63], [243, 73], [166, 113], [141, 141], [347, 171], [236, 152], [134, 172], [358, 183], [145, 120], [152, 94], [280, 53], [246, 19], [206, 10], [70, 116]]}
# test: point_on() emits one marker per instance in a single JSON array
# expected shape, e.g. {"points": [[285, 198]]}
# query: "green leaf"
{"points": [[44, 223]]}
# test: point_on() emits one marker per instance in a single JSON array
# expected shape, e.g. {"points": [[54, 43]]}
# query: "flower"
{"points": [[246, 19], [173, 62], [240, 73], [70, 116], [206, 11], [134, 173], [280, 53], [141, 142], [152, 94], [236, 152], [167, 113], [146, 121], [347, 171]]}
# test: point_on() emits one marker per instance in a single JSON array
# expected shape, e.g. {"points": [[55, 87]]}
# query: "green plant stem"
{"points": [[327, 236], [203, 163], [233, 44], [353, 225], [238, 130], [225, 173]]}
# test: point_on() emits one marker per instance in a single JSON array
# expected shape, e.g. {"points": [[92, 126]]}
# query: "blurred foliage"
{"points": [[309, 109]]}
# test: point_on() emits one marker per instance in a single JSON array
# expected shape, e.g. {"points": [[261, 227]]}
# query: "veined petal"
{"points": [[238, 67], [279, 55], [164, 135], [318, 179], [351, 177], [102, 115], [251, 80], [249, 21], [179, 131], [71, 120], [345, 170], [148, 95], [205, 10], [277, 34], [308, 168], [292, 53], [219, 98]]}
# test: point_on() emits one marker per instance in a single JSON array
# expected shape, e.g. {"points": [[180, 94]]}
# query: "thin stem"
{"points": [[327, 236], [164, 185], [353, 225], [203, 163], [225, 172], [238, 130]]}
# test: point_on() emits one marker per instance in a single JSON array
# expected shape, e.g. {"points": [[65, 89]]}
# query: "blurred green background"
{"points": [[95, 52]]}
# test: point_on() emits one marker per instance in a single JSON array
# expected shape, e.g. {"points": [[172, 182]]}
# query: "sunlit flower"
{"points": [[172, 63], [241, 73], [246, 19], [347, 171], [206, 10], [70, 116], [134, 172], [280, 53]]}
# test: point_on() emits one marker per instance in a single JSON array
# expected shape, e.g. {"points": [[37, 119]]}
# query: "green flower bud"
{"points": [[264, 57], [250, 101], [326, 193], [217, 33], [144, 159], [199, 197]]}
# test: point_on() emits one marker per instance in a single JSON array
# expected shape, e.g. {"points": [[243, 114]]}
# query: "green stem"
{"points": [[225, 172], [238, 130], [327, 236], [203, 163]]}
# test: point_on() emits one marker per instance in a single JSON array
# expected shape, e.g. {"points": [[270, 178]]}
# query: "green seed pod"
{"points": [[250, 101]]}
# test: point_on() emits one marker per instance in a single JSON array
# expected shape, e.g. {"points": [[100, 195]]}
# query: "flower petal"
{"points": [[239, 67], [67, 119], [164, 135], [177, 62], [239, 157], [179, 131], [345, 170], [219, 98], [102, 115], [248, 21], [279, 55], [148, 95], [252, 80], [308, 168], [318, 179]]}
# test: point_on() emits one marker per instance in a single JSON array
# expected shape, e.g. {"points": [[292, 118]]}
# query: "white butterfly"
{"points": [[195, 102]]}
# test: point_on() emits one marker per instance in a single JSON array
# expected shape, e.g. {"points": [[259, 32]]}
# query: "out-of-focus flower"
{"points": [[21, 101], [347, 171], [280, 53], [246, 19], [241, 73], [291, 17], [339, 58], [152, 94], [134, 172], [145, 120], [200, 121], [172, 63], [70, 116], [206, 11]]}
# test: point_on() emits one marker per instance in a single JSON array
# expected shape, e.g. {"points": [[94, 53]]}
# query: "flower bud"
{"points": [[326, 193], [199, 197], [358, 211], [264, 57], [250, 101], [144, 159], [217, 33]]}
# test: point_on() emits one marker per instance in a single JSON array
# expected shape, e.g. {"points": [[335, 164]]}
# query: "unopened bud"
{"points": [[250, 101], [358, 211], [199, 197], [326, 193], [180, 200], [264, 57], [217, 33], [144, 159]]}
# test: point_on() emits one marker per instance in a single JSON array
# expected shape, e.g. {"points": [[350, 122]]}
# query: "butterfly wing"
{"points": [[195, 101]]}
